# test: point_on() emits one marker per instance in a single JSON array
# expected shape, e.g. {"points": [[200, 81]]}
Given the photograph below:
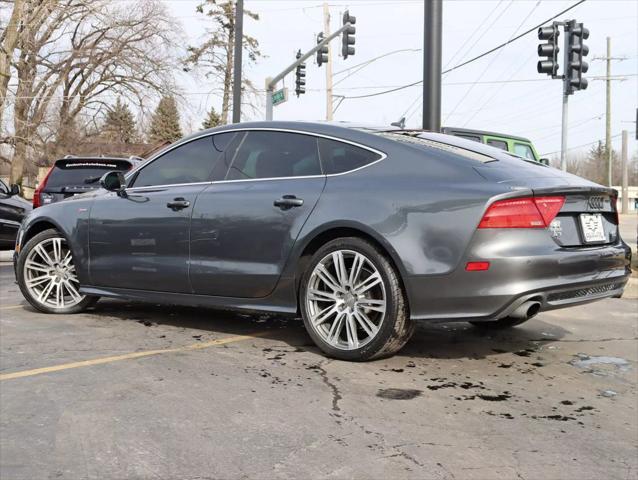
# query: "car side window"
{"points": [[192, 162], [470, 137], [502, 144], [524, 151], [339, 157], [268, 154]]}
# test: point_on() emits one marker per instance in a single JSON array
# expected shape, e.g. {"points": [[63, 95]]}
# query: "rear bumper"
{"points": [[556, 277]]}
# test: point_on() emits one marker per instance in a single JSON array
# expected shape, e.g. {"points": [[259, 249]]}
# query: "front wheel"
{"points": [[352, 302], [46, 275]]}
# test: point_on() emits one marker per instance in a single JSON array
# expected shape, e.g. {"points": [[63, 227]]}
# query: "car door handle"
{"points": [[178, 204], [288, 201]]}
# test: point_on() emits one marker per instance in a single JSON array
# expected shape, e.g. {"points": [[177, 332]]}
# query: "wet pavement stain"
{"points": [[399, 393]]}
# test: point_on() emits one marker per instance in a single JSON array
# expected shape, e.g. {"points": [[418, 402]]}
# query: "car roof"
{"points": [[468, 131]]}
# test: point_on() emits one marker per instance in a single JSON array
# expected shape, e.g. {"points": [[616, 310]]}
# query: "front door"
{"points": [[141, 240], [243, 229]]}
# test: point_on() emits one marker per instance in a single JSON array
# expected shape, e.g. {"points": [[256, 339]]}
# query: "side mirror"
{"points": [[15, 190], [544, 161], [113, 181]]}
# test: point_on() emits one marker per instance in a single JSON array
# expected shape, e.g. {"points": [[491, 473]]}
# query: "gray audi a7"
{"points": [[360, 230]]}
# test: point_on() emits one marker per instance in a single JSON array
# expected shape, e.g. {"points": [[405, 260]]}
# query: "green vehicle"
{"points": [[518, 146]]}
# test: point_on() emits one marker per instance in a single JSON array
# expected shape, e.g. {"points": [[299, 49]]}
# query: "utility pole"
{"points": [[326, 31], [239, 43], [625, 174], [608, 147], [432, 29]]}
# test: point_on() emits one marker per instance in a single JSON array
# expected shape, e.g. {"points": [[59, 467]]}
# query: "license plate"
{"points": [[592, 226]]}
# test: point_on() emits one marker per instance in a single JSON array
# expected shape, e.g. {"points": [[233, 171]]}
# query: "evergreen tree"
{"points": [[212, 120], [120, 124], [165, 122]]}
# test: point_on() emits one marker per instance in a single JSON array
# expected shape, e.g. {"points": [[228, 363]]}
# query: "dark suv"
{"points": [[73, 175], [13, 209]]}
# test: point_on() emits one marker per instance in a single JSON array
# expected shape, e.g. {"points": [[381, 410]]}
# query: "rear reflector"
{"points": [[477, 266], [526, 212]]}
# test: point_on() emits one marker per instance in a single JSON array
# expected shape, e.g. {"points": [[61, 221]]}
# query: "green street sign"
{"points": [[280, 96]]}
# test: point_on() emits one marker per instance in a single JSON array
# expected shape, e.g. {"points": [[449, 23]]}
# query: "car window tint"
{"points": [[497, 143], [265, 154], [189, 163], [470, 137], [339, 157], [524, 151], [78, 173]]}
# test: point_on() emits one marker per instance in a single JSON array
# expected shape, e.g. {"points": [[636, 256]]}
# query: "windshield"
{"points": [[415, 138], [67, 174]]}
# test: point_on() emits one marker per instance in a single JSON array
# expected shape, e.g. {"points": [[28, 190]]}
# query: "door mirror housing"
{"points": [[14, 190], [113, 181], [544, 161]]}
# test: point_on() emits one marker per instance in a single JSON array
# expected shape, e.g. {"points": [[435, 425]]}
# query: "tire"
{"points": [[36, 273], [355, 317], [502, 324]]}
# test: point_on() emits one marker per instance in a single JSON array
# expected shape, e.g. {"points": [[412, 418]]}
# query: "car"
{"points": [[13, 209], [72, 175], [362, 231], [519, 146]]}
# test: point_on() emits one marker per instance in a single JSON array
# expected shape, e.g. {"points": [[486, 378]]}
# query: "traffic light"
{"points": [[576, 51], [300, 77], [322, 53], [549, 50], [347, 37]]}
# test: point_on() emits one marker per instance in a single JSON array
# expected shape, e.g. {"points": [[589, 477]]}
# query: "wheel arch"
{"points": [[314, 240]]}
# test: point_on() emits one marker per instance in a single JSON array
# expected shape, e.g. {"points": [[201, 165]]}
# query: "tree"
{"points": [[73, 54], [215, 55], [119, 124], [212, 120], [165, 122]]}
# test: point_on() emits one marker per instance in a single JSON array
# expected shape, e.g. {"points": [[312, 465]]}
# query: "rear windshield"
{"points": [[415, 139], [81, 173]]}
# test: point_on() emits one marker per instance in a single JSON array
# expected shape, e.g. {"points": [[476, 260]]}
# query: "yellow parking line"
{"points": [[10, 307], [126, 356]]}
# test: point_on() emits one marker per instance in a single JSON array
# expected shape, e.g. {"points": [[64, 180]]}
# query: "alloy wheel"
{"points": [[346, 300], [49, 274]]}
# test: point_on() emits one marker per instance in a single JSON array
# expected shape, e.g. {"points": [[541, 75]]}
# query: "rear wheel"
{"points": [[352, 302], [47, 277]]}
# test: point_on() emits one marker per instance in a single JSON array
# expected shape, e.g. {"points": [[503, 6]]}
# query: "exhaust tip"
{"points": [[526, 310]]}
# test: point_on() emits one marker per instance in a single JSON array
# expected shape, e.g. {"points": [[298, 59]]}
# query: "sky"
{"points": [[523, 103]]}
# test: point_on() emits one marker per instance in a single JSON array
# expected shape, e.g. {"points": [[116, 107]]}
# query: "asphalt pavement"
{"points": [[135, 391]]}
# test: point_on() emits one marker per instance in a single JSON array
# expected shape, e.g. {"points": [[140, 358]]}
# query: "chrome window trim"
{"points": [[382, 157]]}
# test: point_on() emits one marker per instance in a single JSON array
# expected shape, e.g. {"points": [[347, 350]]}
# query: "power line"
{"points": [[583, 145], [492, 50]]}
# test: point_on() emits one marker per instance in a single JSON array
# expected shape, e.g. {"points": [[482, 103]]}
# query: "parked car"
{"points": [[362, 231], [13, 209], [519, 146], [71, 175]]}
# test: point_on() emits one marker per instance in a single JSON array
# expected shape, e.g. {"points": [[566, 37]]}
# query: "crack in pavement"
{"points": [[336, 394]]}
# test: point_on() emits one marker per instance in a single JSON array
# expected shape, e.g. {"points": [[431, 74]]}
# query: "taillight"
{"points": [[37, 195], [526, 212]]}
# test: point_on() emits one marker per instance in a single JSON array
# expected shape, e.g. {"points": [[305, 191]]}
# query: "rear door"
{"points": [[244, 227], [141, 240]]}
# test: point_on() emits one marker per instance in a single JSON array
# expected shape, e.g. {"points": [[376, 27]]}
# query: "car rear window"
{"points": [[415, 139], [83, 172]]}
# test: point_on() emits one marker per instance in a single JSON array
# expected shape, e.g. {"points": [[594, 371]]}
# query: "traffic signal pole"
{"points": [[238, 47], [565, 115], [271, 82], [432, 28], [326, 30]]}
